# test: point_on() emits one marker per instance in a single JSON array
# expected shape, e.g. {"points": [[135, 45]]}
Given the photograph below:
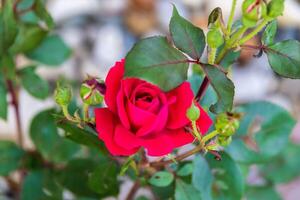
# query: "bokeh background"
{"points": [[100, 32]]}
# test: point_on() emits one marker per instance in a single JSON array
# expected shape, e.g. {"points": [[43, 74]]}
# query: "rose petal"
{"points": [[112, 82], [105, 125], [177, 110], [166, 141], [204, 122], [139, 117], [122, 100], [155, 125], [125, 138]]}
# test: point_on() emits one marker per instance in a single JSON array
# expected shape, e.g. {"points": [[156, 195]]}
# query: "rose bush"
{"points": [[139, 114]]}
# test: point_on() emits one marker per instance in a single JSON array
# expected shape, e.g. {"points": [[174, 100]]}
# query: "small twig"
{"points": [[202, 89], [133, 190], [248, 46], [15, 104], [177, 158]]}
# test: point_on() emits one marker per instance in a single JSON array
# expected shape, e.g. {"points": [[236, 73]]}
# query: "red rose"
{"points": [[139, 114]]}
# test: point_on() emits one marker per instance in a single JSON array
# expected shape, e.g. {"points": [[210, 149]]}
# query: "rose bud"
{"points": [[226, 125], [253, 10], [275, 8], [193, 112], [214, 38], [63, 95], [224, 141], [91, 91]]}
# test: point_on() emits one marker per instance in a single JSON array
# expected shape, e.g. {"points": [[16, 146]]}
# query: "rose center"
{"points": [[144, 97]]}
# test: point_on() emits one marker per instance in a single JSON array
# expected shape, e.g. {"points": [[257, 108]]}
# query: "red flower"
{"points": [[139, 114]]}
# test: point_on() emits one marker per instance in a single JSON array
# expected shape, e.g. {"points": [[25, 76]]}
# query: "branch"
{"points": [[15, 104], [133, 190], [178, 158], [202, 89]]}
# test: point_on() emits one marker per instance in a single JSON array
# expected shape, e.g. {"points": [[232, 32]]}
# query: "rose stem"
{"points": [[15, 104], [178, 158], [133, 190]]}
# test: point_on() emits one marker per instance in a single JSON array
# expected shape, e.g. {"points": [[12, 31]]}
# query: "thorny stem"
{"points": [[15, 104], [212, 55], [254, 32]]}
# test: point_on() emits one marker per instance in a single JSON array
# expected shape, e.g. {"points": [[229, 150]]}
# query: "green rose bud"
{"points": [[275, 8], [224, 141], [63, 95], [193, 112], [252, 12], [226, 125], [91, 91], [214, 38]]}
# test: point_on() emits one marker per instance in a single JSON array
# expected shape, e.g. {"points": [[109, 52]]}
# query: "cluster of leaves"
{"points": [[264, 143], [25, 28]]}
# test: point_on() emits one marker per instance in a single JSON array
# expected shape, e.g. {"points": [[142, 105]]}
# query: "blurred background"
{"points": [[100, 32]]}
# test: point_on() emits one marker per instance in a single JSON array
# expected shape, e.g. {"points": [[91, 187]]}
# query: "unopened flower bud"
{"points": [[214, 38], [193, 112], [275, 8], [63, 95], [91, 91], [253, 11], [224, 140], [226, 125]]}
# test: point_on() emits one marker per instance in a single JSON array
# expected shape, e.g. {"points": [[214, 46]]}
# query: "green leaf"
{"points": [[3, 100], [10, 157], [51, 51], [8, 27], [186, 169], [284, 58], [229, 59], [7, 67], [75, 176], [184, 191], [229, 182], [104, 179], [269, 33], [43, 14], [161, 179], [264, 192], [40, 185], [267, 126], [44, 134], [81, 136], [156, 61], [34, 84], [186, 37], [202, 178], [164, 192], [284, 167], [29, 37], [223, 87]]}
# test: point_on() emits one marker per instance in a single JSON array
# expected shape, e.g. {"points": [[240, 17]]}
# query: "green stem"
{"points": [[236, 36], [210, 136], [230, 43], [212, 55], [85, 112], [230, 19], [195, 130], [254, 32], [67, 114]]}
